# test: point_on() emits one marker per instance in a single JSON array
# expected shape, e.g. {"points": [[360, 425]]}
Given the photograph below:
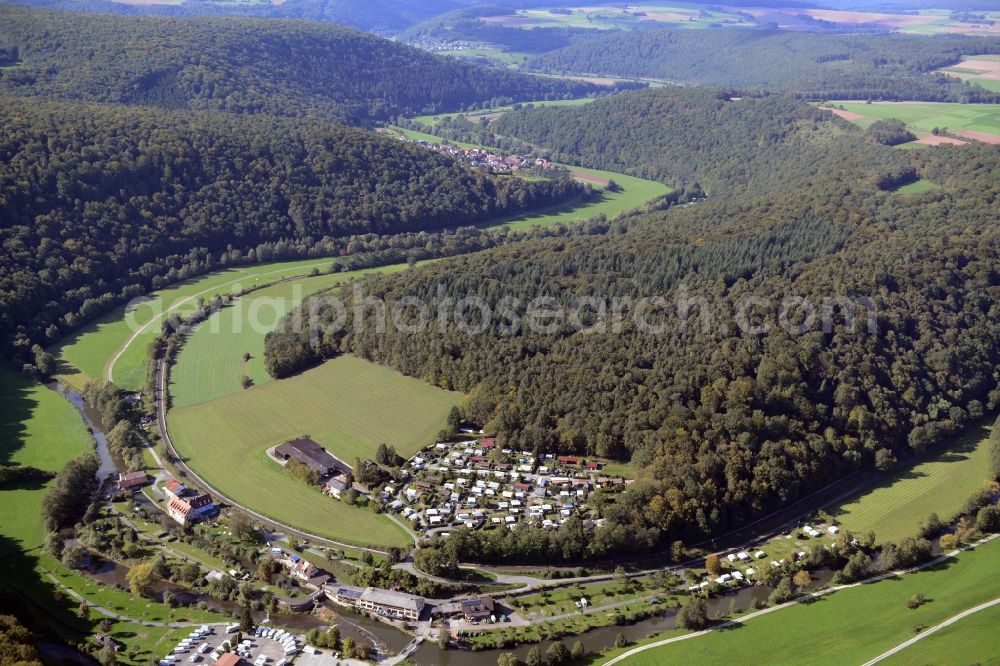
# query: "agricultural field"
{"points": [[983, 70], [967, 121], [939, 483], [347, 404], [117, 342], [632, 17], [849, 626], [210, 364], [632, 193]]}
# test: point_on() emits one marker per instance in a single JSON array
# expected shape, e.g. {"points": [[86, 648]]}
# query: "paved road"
{"points": [[937, 627], [809, 597]]}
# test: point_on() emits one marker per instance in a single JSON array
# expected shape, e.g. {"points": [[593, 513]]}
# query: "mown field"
{"points": [[971, 640], [922, 117], [88, 354], [347, 404], [37, 428], [849, 626], [633, 192], [940, 483], [210, 365]]}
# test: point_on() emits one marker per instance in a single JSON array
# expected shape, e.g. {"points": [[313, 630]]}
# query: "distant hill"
{"points": [[280, 67], [808, 64]]}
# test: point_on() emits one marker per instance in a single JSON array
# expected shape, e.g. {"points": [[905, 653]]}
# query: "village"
{"points": [[479, 157]]}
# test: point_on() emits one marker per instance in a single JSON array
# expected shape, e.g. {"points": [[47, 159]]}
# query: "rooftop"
{"points": [[393, 599]]}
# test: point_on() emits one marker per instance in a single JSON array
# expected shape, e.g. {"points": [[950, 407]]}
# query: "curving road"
{"points": [[159, 391]]}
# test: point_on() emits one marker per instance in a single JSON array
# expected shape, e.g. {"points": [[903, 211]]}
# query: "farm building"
{"points": [[131, 481], [312, 455], [176, 488], [335, 487], [186, 511]]}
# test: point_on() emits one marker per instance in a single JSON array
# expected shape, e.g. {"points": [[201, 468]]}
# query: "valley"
{"points": [[342, 332]]}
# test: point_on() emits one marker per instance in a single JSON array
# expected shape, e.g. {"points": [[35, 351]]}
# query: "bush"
{"points": [[988, 519], [890, 132], [916, 601], [693, 615]]}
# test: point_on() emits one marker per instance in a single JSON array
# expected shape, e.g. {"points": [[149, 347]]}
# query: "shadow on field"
{"points": [[16, 406]]}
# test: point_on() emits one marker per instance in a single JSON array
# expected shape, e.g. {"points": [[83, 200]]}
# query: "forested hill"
{"points": [[815, 66], [279, 67], [725, 422], [97, 202], [699, 136], [379, 16]]}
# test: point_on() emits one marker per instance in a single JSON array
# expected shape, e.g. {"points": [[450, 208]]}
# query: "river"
{"points": [[92, 421]]}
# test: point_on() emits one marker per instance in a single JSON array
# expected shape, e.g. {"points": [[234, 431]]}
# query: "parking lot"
{"points": [[203, 646]]}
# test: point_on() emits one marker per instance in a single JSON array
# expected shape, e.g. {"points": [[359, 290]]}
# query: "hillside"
{"points": [[699, 137], [817, 66], [279, 67], [114, 197], [728, 421]]}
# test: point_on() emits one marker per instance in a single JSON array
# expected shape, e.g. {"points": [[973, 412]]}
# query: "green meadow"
{"points": [[939, 483], [90, 354], [917, 187], [37, 428], [971, 640], [347, 404], [852, 625], [210, 365]]}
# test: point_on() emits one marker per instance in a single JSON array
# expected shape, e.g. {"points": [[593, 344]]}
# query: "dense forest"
{"points": [[289, 68], [728, 422], [99, 201], [701, 139], [813, 66]]}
